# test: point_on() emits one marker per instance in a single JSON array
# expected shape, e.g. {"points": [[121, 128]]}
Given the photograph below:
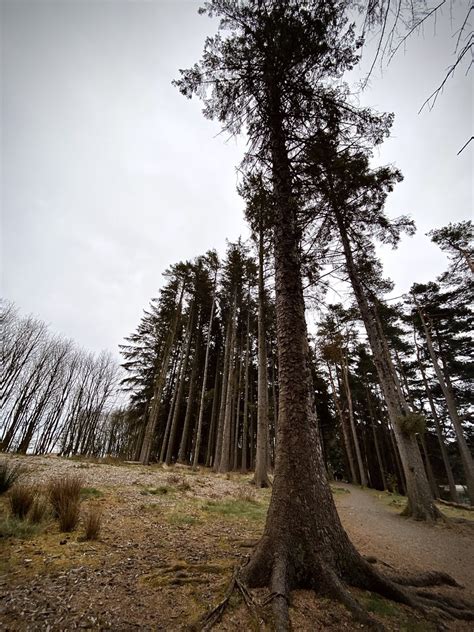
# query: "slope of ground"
{"points": [[170, 540]]}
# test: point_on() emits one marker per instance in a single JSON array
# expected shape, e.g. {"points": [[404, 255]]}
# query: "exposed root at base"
{"points": [[422, 580], [214, 616], [400, 589]]}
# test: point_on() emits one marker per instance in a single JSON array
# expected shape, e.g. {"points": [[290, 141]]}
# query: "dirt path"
{"points": [[408, 545]]}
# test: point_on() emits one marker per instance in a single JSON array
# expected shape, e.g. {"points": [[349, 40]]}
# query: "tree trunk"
{"points": [[173, 391], [303, 543], [225, 373], [466, 458], [345, 373], [212, 426], [235, 451], [181, 383], [260, 478], [197, 446], [160, 381], [429, 469], [245, 432], [420, 500], [182, 457], [345, 434], [453, 494], [374, 433], [224, 464]]}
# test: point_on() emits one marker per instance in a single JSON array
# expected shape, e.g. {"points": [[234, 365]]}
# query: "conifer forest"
{"points": [[284, 440]]}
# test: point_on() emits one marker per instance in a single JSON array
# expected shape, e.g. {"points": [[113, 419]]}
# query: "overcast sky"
{"points": [[109, 175]]}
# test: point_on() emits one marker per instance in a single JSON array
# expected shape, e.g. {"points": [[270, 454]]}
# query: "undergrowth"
{"points": [[12, 527], [65, 498], [9, 474], [21, 498]]}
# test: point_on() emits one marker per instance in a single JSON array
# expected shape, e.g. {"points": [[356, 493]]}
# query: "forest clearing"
{"points": [[170, 540], [241, 394]]}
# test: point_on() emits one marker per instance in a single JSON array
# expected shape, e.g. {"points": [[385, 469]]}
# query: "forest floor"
{"points": [[170, 540]]}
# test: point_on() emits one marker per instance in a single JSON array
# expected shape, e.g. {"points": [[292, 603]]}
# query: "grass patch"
{"points": [[381, 606], [14, 528], [340, 490], [156, 491], [250, 509], [90, 492]]}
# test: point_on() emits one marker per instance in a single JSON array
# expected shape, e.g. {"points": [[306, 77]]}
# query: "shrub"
{"points": [[392, 483], [21, 498], [412, 423], [38, 510], [65, 497], [9, 474], [92, 524]]}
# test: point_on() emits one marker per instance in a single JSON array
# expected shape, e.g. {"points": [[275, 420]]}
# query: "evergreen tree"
{"points": [[269, 69]]}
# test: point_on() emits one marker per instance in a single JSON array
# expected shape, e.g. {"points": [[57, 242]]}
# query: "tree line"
{"points": [[55, 396], [207, 344]]}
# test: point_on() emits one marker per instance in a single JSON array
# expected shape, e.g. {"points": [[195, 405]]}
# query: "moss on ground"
{"points": [[249, 509]]}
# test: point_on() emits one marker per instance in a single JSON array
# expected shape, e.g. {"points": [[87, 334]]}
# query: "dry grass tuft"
{"points": [[39, 509], [65, 498], [246, 495], [92, 523], [21, 498], [9, 474]]}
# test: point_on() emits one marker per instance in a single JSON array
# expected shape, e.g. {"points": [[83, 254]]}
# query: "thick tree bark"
{"points": [[466, 457], [429, 469]]}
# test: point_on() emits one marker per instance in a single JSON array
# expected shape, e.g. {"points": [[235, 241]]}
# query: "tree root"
{"points": [[421, 580], [456, 505], [456, 606], [214, 616], [280, 595], [278, 576], [336, 590]]}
